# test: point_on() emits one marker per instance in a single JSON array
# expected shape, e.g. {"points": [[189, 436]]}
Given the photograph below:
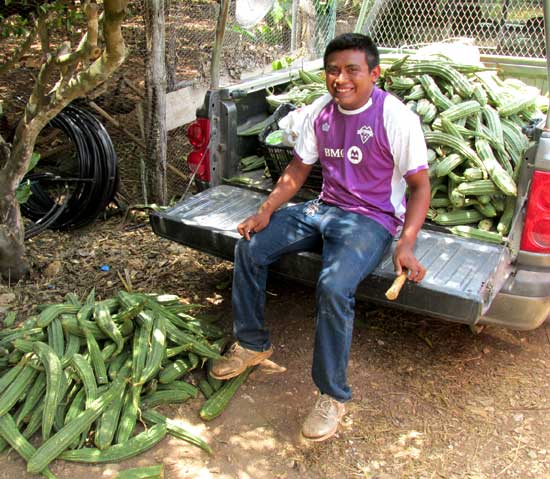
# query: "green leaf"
{"points": [[243, 31], [23, 192], [277, 13], [34, 160]]}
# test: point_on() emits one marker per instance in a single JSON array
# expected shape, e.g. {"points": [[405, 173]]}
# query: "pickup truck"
{"points": [[467, 281]]}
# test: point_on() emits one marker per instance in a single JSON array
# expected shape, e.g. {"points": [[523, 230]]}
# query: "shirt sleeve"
{"points": [[306, 146], [405, 136]]}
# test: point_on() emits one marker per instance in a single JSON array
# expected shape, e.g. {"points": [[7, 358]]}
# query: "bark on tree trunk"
{"points": [[13, 264], [307, 28], [155, 100], [171, 46], [12, 247]]}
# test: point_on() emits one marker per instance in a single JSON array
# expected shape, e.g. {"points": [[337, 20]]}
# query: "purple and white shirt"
{"points": [[365, 154]]}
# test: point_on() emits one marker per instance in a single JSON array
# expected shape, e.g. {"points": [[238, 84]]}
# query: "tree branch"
{"points": [[112, 57], [116, 123], [87, 49], [38, 96], [43, 33]]}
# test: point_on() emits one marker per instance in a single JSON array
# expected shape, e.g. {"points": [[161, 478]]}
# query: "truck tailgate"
{"points": [[462, 275]]}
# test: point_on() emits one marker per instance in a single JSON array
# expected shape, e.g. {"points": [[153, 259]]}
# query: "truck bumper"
{"points": [[523, 303]]}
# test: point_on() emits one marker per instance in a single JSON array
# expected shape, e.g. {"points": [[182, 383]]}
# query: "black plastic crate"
{"points": [[278, 157]]}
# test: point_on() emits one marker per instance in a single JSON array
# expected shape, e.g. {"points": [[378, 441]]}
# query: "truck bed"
{"points": [[463, 275]]}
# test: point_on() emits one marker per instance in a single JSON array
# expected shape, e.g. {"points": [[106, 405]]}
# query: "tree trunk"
{"points": [[307, 28], [155, 106], [218, 44], [170, 12], [12, 247], [13, 265]]}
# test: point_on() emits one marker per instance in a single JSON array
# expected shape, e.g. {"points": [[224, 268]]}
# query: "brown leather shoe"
{"points": [[236, 360], [322, 422]]}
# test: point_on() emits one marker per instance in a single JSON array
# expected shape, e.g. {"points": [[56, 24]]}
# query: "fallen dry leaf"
{"points": [[52, 270]]}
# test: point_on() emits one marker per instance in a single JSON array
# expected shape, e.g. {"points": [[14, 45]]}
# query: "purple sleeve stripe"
{"points": [[416, 170]]}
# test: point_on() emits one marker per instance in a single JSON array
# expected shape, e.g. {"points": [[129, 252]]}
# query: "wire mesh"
{"points": [[505, 27]]}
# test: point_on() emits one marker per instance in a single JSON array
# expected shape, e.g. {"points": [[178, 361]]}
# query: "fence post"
{"points": [[155, 100], [365, 7], [218, 44], [294, 30]]}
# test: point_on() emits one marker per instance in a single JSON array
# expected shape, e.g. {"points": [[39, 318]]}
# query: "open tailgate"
{"points": [[462, 277]]}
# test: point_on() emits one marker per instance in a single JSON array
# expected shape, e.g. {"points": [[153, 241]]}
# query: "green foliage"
{"points": [[23, 192], [243, 31], [324, 7], [281, 13], [10, 27], [16, 16], [34, 161], [276, 21]]}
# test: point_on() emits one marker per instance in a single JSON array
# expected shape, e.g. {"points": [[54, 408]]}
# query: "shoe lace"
{"points": [[233, 349], [324, 407]]}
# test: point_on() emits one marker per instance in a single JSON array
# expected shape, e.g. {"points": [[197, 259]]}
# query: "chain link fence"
{"points": [[505, 27], [288, 31], [291, 29]]}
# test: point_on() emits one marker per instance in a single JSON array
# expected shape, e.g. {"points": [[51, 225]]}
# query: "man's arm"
{"points": [[417, 207], [289, 184]]}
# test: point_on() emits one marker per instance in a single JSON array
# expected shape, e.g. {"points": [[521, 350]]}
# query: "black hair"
{"points": [[354, 41]]}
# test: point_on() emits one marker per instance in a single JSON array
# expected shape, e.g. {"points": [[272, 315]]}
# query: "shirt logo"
{"points": [[325, 127], [365, 133], [355, 155], [334, 152]]}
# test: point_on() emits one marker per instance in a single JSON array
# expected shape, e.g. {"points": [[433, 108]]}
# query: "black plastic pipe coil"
{"points": [[83, 196]]}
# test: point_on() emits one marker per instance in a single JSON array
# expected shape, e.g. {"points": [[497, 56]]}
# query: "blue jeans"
{"points": [[352, 245]]}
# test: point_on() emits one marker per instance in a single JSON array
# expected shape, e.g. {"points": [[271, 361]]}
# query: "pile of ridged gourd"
{"points": [[84, 375], [472, 122]]}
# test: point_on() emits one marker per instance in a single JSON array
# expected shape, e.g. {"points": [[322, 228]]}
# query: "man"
{"points": [[371, 148]]}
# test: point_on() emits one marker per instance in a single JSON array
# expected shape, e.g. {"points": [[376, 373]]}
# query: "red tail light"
{"points": [[198, 132], [198, 160], [536, 229]]}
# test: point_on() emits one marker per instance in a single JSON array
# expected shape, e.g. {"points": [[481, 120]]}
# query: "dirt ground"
{"points": [[431, 400]]}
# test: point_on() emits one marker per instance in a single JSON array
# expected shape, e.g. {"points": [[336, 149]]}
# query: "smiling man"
{"points": [[371, 149]]}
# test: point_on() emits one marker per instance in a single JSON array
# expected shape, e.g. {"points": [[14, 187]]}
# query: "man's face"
{"points": [[349, 79]]}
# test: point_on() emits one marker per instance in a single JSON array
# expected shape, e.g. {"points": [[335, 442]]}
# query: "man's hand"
{"points": [[404, 259], [253, 224]]}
